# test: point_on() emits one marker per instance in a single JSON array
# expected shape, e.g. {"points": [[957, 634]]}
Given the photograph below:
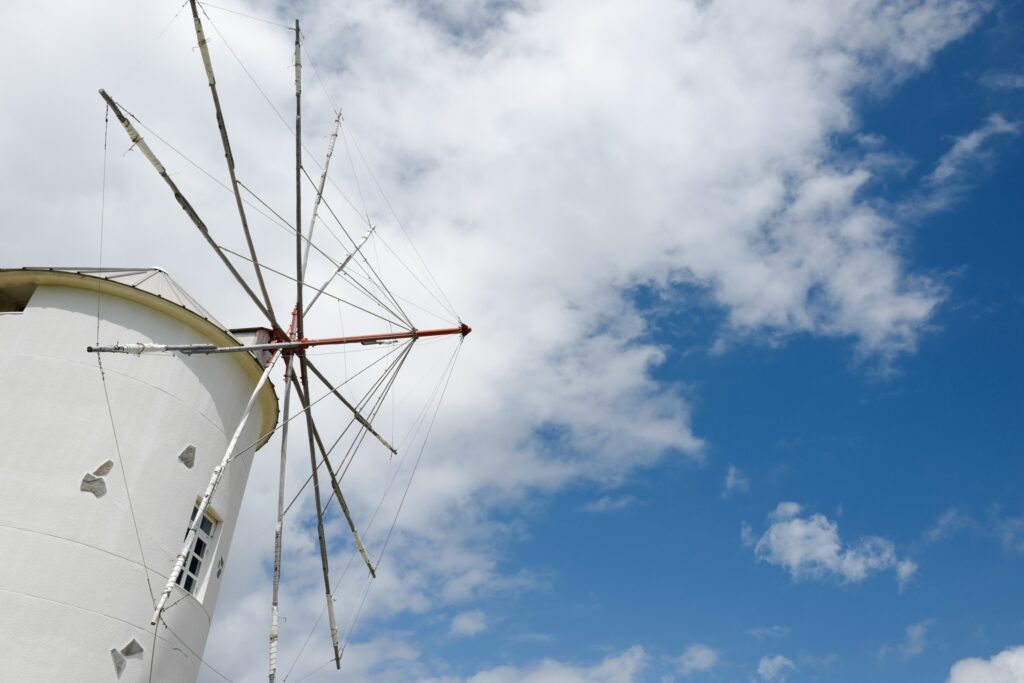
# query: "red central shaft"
{"points": [[389, 336]]}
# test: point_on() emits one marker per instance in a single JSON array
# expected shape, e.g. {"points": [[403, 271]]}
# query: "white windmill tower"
{"points": [[103, 468], [124, 464]]}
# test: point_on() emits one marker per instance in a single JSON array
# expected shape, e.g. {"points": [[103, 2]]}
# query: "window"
{"points": [[191, 573]]}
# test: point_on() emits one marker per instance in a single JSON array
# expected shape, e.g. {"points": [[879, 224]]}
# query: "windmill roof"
{"points": [[152, 280]]}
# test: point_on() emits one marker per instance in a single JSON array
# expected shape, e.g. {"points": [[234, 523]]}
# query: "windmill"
{"points": [[187, 402]]}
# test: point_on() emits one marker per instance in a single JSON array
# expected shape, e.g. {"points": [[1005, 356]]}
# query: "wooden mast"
{"points": [[299, 328]]}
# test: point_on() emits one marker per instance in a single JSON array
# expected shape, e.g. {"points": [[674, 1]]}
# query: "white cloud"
{"points": [[621, 668], [468, 623], [1004, 80], [735, 481], [762, 632], [969, 147], [607, 504], [697, 658], [810, 547], [949, 522], [1011, 532], [914, 643], [774, 668], [1005, 667], [955, 170]]}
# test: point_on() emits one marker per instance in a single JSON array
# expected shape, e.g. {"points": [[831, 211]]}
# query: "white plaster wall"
{"points": [[73, 584]]}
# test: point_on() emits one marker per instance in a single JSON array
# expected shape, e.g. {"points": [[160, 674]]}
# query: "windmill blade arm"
{"points": [[186, 206], [334, 480], [228, 156]]}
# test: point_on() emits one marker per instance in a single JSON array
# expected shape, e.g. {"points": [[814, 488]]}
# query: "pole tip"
{"points": [[466, 329]]}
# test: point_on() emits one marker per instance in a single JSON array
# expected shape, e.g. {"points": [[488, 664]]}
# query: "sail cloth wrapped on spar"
{"points": [[289, 344]]}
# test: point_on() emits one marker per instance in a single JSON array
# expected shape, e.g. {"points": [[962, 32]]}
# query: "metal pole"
{"points": [[341, 267], [188, 349], [320, 190]]}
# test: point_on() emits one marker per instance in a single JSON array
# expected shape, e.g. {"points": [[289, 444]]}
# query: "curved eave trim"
{"points": [[212, 331]]}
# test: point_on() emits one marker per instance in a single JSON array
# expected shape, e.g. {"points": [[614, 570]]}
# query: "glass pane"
{"points": [[206, 525], [193, 566], [194, 511], [180, 577], [200, 547], [189, 582]]}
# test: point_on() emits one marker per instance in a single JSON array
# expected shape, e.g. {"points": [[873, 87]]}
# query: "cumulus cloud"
{"points": [[774, 668], [1005, 667], [697, 658], [810, 547], [914, 643], [468, 623], [735, 481]]}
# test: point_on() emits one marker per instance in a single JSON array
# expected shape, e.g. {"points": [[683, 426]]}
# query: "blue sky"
{"points": [[743, 397], [806, 419]]}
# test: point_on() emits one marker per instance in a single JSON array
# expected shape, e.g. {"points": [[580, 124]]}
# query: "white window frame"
{"points": [[200, 554]]}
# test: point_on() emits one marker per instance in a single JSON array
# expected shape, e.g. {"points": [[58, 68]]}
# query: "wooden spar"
{"points": [[337, 492], [202, 349], [300, 352], [310, 429], [215, 478], [320, 193], [341, 266], [229, 157], [355, 411], [139, 142], [299, 276], [279, 526]]}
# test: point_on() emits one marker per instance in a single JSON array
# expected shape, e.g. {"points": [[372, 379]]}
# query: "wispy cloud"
{"points": [[1011, 533], [969, 148], [1005, 80], [764, 632], [735, 482], [810, 547], [607, 504], [949, 522], [914, 642], [956, 170], [774, 667]]}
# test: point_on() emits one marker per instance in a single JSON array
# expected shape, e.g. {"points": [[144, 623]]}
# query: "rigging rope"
{"points": [[103, 380], [394, 214]]}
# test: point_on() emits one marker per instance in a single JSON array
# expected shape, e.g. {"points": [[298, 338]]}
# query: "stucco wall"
{"points": [[73, 584]]}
